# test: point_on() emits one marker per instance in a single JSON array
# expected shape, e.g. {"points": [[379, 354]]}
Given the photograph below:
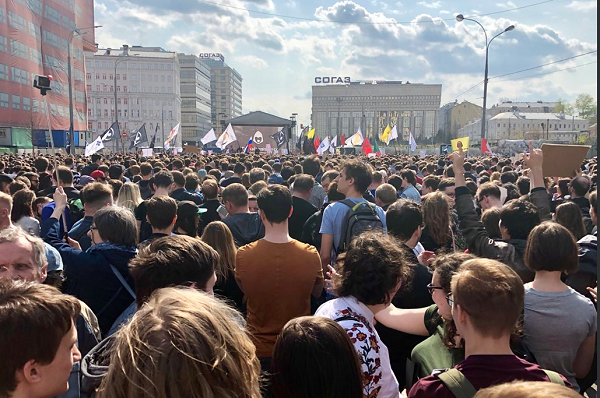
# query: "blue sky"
{"points": [[419, 41]]}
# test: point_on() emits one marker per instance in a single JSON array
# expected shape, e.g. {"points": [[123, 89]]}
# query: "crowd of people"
{"points": [[246, 275]]}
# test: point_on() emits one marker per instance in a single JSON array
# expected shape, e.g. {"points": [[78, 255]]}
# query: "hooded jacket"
{"points": [[90, 277], [510, 252], [245, 227]]}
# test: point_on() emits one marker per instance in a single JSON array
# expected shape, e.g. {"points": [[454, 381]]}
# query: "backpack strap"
{"points": [[458, 384], [554, 377], [122, 280]]}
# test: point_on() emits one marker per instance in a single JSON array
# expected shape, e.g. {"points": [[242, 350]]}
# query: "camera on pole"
{"points": [[42, 83]]}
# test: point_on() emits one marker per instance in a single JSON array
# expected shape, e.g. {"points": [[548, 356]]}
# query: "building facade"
{"points": [[195, 98], [463, 114], [523, 107], [343, 109], [526, 126], [147, 89], [226, 90], [34, 40]]}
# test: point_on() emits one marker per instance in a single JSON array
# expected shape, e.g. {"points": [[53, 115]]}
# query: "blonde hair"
{"points": [[129, 196], [183, 344], [436, 216], [527, 390], [218, 236]]}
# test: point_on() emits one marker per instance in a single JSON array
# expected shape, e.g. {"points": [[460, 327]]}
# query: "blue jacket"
{"points": [[89, 276]]}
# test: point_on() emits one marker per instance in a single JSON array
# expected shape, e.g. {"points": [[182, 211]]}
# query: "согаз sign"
{"points": [[334, 79]]}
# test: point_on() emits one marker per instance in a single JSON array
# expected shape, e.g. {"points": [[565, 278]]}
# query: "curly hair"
{"points": [[372, 268], [436, 215]]}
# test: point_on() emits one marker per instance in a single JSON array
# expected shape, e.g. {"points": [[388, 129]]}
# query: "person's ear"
{"points": [[30, 372], [44, 273], [174, 220], [291, 212]]}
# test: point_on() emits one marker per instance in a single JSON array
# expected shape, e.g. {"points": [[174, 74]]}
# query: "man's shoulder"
{"points": [[430, 386]]}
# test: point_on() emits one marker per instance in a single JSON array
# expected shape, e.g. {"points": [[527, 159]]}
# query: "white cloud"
{"points": [[434, 5], [584, 5], [508, 5], [252, 61]]}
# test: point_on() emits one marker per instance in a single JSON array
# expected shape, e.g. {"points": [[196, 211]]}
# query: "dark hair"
{"points": [[236, 194], [569, 216], [519, 217], [551, 247], [187, 218], [488, 189], [145, 169], [257, 175], [192, 181], [16, 186], [35, 318], [490, 219], [361, 173], [96, 158], [311, 166], [446, 183], [508, 177], [172, 261], [275, 202], [304, 183], [96, 194], [409, 175], [178, 178], [333, 195], [210, 189], [524, 184], [396, 182], [163, 179], [432, 182], [446, 266], [41, 164], [308, 341], [371, 269], [22, 205], [177, 163], [65, 175], [161, 211], [403, 218], [117, 225], [116, 186], [580, 185]]}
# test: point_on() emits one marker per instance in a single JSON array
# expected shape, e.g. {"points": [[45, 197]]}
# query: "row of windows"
{"points": [[539, 125], [135, 113], [130, 65], [22, 103], [380, 98]]}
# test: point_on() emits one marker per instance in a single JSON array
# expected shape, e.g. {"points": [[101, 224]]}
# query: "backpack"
{"points": [[360, 218], [460, 386], [75, 210]]}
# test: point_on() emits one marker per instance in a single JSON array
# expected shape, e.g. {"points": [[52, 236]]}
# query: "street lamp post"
{"points": [[74, 33], [460, 18]]}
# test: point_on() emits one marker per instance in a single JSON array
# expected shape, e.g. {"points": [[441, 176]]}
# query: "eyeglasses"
{"points": [[450, 300], [93, 228], [431, 288], [481, 200]]}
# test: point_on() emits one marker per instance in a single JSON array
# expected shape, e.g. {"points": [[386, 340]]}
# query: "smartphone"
{"points": [[222, 211]]}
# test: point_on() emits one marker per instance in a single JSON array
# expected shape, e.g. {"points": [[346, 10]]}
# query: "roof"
{"points": [[259, 119], [526, 104], [534, 116]]}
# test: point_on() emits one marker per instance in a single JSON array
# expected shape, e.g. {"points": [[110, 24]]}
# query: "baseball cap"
{"points": [[276, 179], [98, 174], [5, 178], [84, 180]]}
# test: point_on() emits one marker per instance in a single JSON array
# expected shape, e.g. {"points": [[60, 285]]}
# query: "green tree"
{"points": [[586, 106], [563, 106]]}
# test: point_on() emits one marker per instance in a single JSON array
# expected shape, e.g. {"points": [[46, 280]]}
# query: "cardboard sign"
{"points": [[191, 149], [563, 160], [147, 152]]}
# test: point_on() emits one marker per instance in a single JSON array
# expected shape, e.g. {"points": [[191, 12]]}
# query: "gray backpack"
{"points": [[361, 217]]}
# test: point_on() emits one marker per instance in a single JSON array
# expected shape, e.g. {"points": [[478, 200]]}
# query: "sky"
{"points": [[280, 46]]}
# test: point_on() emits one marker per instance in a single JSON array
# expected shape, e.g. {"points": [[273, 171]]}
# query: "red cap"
{"points": [[98, 174]]}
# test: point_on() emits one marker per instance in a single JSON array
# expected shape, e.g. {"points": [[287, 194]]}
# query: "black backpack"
{"points": [[360, 218], [75, 210]]}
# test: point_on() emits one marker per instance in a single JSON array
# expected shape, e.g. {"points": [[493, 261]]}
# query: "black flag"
{"points": [[280, 138], [139, 138], [154, 138], [112, 133]]}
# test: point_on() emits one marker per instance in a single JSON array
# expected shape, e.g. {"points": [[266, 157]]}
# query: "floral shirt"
{"points": [[358, 321]]}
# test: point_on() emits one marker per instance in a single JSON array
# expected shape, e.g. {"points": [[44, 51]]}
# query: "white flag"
{"points": [[226, 138], [210, 137], [413, 143], [357, 139], [394, 133], [172, 136], [323, 147], [333, 145], [94, 147]]}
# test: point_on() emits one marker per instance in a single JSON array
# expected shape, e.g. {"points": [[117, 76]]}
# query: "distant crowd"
{"points": [[240, 275]]}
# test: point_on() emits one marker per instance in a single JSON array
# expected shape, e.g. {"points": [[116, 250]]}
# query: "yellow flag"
{"points": [[465, 144], [311, 134], [385, 137]]}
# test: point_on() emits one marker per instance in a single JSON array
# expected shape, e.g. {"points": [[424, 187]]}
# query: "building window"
{"points": [[18, 49], [3, 100], [16, 21], [20, 76], [26, 104], [3, 72], [16, 102], [3, 42]]}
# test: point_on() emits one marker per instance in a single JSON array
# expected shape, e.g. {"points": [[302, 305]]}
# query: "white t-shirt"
{"points": [[358, 321]]}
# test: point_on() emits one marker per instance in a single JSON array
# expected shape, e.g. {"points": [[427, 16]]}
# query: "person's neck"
{"points": [[240, 210], [5, 224], [546, 281], [412, 243], [178, 187], [354, 194], [301, 195], [147, 178], [167, 231], [66, 185], [480, 345], [376, 308], [161, 192], [277, 233]]}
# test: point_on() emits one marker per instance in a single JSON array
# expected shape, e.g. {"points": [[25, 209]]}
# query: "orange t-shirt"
{"points": [[277, 279]]}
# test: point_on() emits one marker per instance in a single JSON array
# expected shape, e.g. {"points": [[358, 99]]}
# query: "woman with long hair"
{"points": [[22, 212], [437, 234], [569, 216], [129, 196], [188, 219], [314, 358], [218, 236], [182, 344]]}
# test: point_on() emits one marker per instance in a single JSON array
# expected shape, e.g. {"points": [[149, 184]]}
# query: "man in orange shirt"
{"points": [[277, 274]]}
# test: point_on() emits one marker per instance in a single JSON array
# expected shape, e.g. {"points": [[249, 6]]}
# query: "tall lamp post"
{"points": [[461, 18], [74, 33]]}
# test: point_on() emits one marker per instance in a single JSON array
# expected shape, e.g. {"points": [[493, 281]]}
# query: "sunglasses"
{"points": [[431, 288], [450, 300]]}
